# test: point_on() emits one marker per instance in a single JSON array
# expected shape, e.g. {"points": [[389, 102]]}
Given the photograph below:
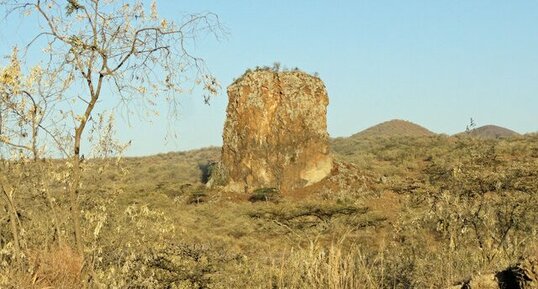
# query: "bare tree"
{"points": [[114, 50]]}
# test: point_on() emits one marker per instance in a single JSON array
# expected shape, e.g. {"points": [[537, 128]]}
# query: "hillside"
{"points": [[395, 127], [492, 131], [351, 147], [154, 224]]}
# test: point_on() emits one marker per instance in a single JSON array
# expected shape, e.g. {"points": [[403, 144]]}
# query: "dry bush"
{"points": [[58, 267]]}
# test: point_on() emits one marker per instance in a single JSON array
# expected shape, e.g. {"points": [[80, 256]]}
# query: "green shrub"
{"points": [[217, 175], [265, 195], [198, 197]]}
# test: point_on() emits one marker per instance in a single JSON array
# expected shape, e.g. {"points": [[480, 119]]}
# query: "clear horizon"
{"points": [[436, 64]]}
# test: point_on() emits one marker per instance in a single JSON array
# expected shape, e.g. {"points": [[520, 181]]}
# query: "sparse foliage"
{"points": [[470, 126], [94, 53]]}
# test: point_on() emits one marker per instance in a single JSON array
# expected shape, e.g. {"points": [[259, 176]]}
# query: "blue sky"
{"points": [[436, 63]]}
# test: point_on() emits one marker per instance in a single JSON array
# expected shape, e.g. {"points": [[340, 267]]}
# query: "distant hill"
{"points": [[395, 127], [491, 131]]}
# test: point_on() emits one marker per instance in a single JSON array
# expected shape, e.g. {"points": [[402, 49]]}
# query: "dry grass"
{"points": [[405, 214], [58, 267], [329, 267]]}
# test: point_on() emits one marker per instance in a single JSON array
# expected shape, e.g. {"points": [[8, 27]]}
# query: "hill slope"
{"points": [[395, 127], [492, 131]]}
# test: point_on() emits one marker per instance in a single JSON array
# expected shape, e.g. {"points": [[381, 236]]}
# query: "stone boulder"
{"points": [[275, 134]]}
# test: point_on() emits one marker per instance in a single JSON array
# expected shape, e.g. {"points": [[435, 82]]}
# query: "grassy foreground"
{"points": [[424, 212]]}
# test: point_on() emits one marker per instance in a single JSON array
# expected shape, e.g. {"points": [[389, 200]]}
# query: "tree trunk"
{"points": [[13, 221], [75, 207], [54, 217]]}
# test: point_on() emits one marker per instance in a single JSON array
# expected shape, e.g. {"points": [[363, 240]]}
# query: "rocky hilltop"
{"points": [[491, 132], [275, 134], [395, 127]]}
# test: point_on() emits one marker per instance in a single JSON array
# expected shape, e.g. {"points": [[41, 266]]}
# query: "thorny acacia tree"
{"points": [[113, 49]]}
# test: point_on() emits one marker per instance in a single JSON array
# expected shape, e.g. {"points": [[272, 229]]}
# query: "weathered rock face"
{"points": [[275, 133]]}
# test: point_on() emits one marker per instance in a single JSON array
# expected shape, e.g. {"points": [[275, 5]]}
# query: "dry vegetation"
{"points": [[414, 211], [396, 212], [425, 212]]}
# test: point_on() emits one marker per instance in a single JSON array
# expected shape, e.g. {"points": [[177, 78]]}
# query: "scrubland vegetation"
{"points": [[415, 212], [396, 212]]}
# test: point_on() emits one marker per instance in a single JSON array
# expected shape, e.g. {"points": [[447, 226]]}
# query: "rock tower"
{"points": [[275, 133]]}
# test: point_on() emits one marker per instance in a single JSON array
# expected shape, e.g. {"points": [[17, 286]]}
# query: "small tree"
{"points": [[24, 102], [114, 50]]}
